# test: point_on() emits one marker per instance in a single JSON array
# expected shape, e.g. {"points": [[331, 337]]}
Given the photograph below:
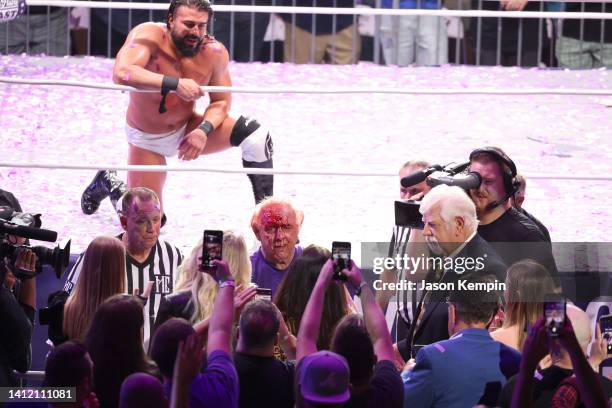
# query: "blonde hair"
{"points": [[102, 276], [526, 284], [202, 286]]}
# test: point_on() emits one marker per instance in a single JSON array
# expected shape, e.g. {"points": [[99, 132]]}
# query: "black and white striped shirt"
{"points": [[160, 267], [405, 298]]}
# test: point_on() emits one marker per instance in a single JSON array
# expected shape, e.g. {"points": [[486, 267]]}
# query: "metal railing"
{"points": [[478, 33]]}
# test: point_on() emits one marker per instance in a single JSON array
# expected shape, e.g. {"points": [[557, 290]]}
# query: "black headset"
{"points": [[511, 183]]}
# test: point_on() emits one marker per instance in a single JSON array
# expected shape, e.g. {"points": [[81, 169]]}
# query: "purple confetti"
{"points": [[366, 132]]}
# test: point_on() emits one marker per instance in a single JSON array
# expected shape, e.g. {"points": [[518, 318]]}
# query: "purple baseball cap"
{"points": [[324, 377], [142, 390]]}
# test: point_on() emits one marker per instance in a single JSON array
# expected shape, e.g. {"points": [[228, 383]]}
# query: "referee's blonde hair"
{"points": [[202, 286]]}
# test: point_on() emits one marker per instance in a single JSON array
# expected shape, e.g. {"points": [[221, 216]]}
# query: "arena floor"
{"points": [[543, 134]]}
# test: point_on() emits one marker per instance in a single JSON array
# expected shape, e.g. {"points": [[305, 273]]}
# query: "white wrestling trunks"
{"points": [[165, 144]]}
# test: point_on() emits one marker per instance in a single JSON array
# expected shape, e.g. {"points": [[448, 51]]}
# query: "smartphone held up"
{"points": [[212, 249], [554, 313], [605, 324], [341, 257]]}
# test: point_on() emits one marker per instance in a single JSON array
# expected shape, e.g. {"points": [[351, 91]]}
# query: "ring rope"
{"points": [[296, 172], [338, 90], [331, 10]]}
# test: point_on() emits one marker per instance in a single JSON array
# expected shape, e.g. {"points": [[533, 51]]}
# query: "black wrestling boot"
{"points": [[104, 184], [117, 190], [263, 184]]}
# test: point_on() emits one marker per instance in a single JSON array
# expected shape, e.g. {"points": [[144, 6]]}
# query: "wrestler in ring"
{"points": [[178, 56]]}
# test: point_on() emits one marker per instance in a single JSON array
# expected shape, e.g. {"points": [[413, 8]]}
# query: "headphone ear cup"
{"points": [[510, 184], [514, 185]]}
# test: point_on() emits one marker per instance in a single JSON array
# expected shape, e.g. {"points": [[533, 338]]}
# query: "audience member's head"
{"points": [[519, 196], [474, 308], [294, 290], [323, 380], [140, 218], [102, 276], [582, 326], [527, 282], [69, 365], [164, 346], [258, 329], [276, 223], [449, 217], [412, 166], [142, 390], [352, 341], [202, 286], [497, 172], [114, 341]]}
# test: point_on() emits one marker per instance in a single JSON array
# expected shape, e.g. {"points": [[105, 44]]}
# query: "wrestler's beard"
{"points": [[184, 49]]}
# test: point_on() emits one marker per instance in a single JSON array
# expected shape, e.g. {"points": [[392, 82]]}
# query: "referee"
{"points": [[148, 259], [406, 299]]}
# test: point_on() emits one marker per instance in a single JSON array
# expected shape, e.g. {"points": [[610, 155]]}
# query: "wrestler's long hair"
{"points": [[102, 276], [202, 286], [201, 5]]}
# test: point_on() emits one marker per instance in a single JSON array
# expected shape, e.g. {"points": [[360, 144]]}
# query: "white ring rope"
{"points": [[296, 172], [338, 90], [332, 10], [310, 10]]}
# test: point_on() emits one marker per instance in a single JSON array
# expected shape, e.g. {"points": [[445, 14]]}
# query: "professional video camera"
{"points": [[407, 211], [27, 225]]}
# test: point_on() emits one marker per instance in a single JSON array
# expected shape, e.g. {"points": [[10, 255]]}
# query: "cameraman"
{"points": [[499, 222], [8, 199], [16, 318]]}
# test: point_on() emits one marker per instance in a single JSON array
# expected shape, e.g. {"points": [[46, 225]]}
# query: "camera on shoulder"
{"points": [[407, 211], [27, 226]]}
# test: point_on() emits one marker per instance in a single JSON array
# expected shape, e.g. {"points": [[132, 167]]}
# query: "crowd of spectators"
{"points": [[341, 39], [142, 326]]}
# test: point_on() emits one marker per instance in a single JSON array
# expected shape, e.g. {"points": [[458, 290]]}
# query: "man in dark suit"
{"points": [[450, 227]]}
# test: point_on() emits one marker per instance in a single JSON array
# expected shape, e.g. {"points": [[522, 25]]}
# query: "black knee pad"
{"points": [[254, 140]]}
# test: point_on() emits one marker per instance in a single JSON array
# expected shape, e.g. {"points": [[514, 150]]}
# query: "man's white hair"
{"points": [[269, 201], [453, 202]]}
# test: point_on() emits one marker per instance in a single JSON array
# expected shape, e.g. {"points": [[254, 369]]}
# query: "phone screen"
{"points": [[263, 293], [341, 256], [605, 323], [554, 313], [212, 248]]}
